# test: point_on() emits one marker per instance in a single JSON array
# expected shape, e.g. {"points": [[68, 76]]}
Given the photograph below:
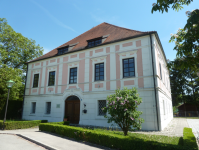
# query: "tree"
{"points": [[121, 108], [186, 39], [16, 49]]}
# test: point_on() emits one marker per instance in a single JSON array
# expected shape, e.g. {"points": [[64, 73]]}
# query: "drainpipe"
{"points": [[154, 82], [24, 92]]}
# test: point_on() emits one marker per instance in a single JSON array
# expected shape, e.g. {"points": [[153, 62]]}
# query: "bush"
{"points": [[112, 140], [122, 109], [61, 123], [21, 124], [189, 138]]}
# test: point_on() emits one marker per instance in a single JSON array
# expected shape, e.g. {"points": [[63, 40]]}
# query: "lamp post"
{"points": [[9, 86]]}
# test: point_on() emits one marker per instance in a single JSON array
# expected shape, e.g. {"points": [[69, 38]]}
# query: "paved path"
{"points": [[13, 142], [54, 141], [194, 124], [174, 128]]}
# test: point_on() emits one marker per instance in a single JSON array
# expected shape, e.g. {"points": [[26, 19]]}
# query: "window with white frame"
{"points": [[51, 80], [33, 107], [128, 67], [36, 80], [99, 72], [48, 107], [101, 104], [73, 75]]}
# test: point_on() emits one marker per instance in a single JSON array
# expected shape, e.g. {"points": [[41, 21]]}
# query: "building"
{"points": [[74, 79]]}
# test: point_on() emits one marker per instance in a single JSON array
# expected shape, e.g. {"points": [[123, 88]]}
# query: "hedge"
{"points": [[117, 141], [21, 124], [189, 138], [60, 123]]}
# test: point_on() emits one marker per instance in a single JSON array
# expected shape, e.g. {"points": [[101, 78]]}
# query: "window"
{"points": [[99, 72], [62, 50], [160, 71], [73, 75], [94, 42], [33, 107], [36, 80], [51, 80], [48, 107], [128, 67], [101, 104]]}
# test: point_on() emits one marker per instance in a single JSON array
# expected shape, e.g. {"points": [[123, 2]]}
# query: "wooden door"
{"points": [[72, 111]]}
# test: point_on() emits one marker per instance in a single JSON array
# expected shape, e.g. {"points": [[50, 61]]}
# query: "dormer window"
{"points": [[62, 50], [94, 42]]}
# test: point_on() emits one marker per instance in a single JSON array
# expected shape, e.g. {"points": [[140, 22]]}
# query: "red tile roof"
{"points": [[115, 34]]}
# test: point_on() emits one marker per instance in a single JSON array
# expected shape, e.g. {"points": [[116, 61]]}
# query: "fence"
{"points": [[186, 114]]}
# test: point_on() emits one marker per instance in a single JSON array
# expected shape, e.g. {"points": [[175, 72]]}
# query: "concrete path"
{"points": [[194, 124], [174, 128], [13, 142], [54, 141]]}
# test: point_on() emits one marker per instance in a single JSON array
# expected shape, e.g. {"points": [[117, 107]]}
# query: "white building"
{"points": [[79, 74]]}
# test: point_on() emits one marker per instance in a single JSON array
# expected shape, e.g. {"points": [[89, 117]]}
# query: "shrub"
{"points": [[21, 124], [189, 138], [112, 140], [61, 123], [122, 109]]}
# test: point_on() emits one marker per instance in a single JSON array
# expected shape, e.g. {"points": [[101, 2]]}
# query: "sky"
{"points": [[52, 23]]}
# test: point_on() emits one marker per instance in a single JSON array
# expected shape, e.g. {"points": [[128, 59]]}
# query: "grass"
{"points": [[147, 137], [188, 117]]}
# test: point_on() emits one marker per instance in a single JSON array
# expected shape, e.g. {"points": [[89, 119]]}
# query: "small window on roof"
{"points": [[62, 50], [94, 42]]}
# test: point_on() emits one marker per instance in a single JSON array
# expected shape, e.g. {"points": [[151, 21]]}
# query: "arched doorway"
{"points": [[72, 109]]}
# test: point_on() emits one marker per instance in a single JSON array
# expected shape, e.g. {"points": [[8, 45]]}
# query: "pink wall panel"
{"points": [[64, 76], [118, 83], [108, 72], [34, 90], [65, 58], [108, 50], [37, 64], [72, 87], [90, 75], [127, 44], [140, 68], [57, 75], [50, 89], [81, 73], [40, 78], [138, 43], [129, 82], [31, 79], [81, 55], [117, 47], [32, 65], [46, 76], [52, 60], [73, 56], [99, 50]]}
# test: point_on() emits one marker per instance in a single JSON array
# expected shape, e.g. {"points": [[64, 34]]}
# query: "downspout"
{"points": [[24, 92], [154, 83]]}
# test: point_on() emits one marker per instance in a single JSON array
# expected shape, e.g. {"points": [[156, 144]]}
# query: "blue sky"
{"points": [[54, 22]]}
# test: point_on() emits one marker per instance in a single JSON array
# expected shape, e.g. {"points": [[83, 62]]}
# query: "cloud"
{"points": [[52, 17]]}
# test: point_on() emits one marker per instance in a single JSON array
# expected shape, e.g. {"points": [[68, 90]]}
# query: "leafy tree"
{"points": [[186, 39], [15, 49], [121, 108]]}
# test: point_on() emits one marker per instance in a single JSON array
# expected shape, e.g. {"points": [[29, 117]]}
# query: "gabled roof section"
{"points": [[114, 33]]}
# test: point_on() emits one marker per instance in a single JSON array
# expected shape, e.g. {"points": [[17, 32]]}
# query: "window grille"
{"points": [[33, 107], [62, 50], [94, 42], [101, 104], [36, 80], [128, 67], [48, 107], [51, 80], [99, 72], [73, 76]]}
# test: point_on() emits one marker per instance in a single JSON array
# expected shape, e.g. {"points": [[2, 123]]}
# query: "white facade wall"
{"points": [[90, 91]]}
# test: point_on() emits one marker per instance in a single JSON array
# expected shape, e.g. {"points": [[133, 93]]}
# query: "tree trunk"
{"points": [[125, 130]]}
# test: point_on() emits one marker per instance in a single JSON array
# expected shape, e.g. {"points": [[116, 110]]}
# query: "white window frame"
{"points": [[31, 106], [46, 108]]}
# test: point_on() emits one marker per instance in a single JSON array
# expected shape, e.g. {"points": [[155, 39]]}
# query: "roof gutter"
{"points": [[156, 101]]}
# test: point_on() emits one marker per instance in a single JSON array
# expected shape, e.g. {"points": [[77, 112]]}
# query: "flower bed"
{"points": [[11, 125], [115, 139]]}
